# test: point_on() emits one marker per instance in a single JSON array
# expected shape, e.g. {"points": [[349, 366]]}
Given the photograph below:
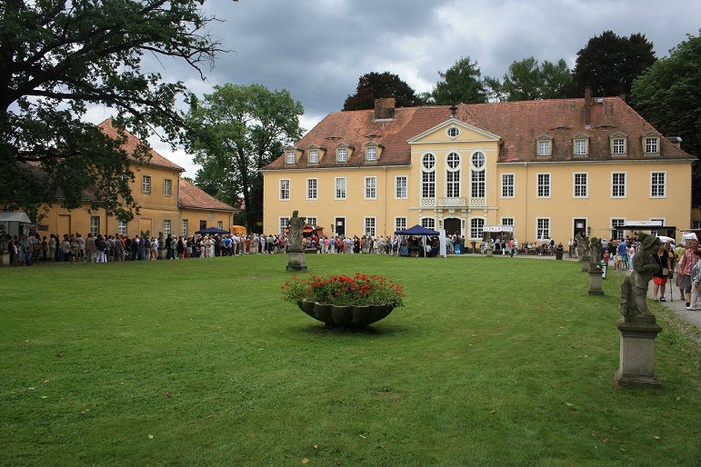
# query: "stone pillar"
{"points": [[297, 261], [637, 357], [595, 282]]}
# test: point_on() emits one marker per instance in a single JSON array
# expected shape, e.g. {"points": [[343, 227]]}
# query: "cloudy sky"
{"points": [[317, 49]]}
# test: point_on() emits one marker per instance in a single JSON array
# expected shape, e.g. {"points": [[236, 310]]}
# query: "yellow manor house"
{"points": [[169, 204], [544, 169]]}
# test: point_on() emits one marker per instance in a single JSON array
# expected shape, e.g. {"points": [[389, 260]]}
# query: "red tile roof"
{"points": [[518, 124], [132, 142], [192, 197]]}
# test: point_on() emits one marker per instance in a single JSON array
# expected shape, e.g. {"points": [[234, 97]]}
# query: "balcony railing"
{"points": [[445, 202]]}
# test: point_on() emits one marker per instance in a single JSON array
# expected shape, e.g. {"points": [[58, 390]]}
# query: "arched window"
{"points": [[428, 176], [477, 175], [452, 175]]}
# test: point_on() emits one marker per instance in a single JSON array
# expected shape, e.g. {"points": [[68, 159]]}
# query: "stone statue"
{"points": [[594, 254], [583, 247], [633, 302], [296, 228]]}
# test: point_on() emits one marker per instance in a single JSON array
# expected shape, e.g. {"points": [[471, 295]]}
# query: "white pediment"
{"points": [[446, 133]]}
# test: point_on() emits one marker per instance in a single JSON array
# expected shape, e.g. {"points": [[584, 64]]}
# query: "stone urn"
{"points": [[349, 316]]}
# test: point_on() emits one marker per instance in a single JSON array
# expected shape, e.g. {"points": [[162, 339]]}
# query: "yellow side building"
{"points": [[546, 169], [168, 204]]}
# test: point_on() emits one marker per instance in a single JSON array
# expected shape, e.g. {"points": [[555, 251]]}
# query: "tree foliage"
{"points": [[59, 58], [527, 80], [234, 132], [375, 85], [667, 95], [609, 64], [461, 83]]}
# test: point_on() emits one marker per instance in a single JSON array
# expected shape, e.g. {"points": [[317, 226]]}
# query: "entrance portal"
{"points": [[452, 226]]}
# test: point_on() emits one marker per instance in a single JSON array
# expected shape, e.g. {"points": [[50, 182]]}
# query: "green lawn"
{"points": [[492, 361]]}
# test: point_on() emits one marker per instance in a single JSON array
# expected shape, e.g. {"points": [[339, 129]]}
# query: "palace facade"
{"points": [[546, 169]]}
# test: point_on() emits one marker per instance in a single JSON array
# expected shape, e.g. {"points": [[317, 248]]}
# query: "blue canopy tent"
{"points": [[415, 231], [212, 231]]}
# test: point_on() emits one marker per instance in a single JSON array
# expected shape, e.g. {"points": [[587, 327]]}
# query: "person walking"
{"points": [[659, 278]]}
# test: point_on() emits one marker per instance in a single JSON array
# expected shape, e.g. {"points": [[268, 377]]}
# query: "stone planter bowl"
{"points": [[352, 316]]}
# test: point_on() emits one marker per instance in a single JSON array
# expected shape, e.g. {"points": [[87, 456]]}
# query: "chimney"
{"points": [[384, 108], [587, 107], [676, 141]]}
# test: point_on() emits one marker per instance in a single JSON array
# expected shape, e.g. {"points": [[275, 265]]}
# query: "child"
{"points": [[695, 286]]}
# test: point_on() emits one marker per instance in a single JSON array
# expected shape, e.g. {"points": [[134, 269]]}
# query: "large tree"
{"points": [[667, 95], [461, 83], [527, 80], [57, 59], [609, 63], [375, 85], [234, 132]]}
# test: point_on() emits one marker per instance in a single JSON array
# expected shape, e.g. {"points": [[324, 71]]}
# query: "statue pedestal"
{"points": [[489, 251], [297, 260], [595, 282], [637, 361], [4, 259], [585, 264]]}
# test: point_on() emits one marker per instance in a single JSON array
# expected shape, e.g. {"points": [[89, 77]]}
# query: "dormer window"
{"points": [[651, 145], [341, 155], [618, 144], [371, 153], [290, 157], [580, 146], [313, 156], [544, 146]]}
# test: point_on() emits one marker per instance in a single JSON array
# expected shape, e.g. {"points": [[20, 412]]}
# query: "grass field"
{"points": [[492, 361]]}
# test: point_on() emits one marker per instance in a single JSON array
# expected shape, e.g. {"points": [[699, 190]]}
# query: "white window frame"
{"points": [[290, 158], [371, 153], [340, 188], [619, 146], [508, 185], [122, 227], [651, 145], [312, 220], [477, 228], [428, 175], [543, 185], [370, 187], [401, 187], [166, 227], [428, 222], [312, 188], [184, 227], [618, 234], [370, 226], [146, 184], [284, 224], [544, 148], [400, 223], [619, 188], [453, 170], [658, 188], [542, 228], [341, 154], [284, 192], [580, 147], [167, 187], [313, 157], [580, 185], [95, 225]]}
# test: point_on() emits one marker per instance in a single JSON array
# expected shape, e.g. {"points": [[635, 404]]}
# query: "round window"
{"points": [[429, 161]]}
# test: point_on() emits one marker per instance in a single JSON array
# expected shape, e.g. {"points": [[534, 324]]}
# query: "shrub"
{"points": [[360, 289]]}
